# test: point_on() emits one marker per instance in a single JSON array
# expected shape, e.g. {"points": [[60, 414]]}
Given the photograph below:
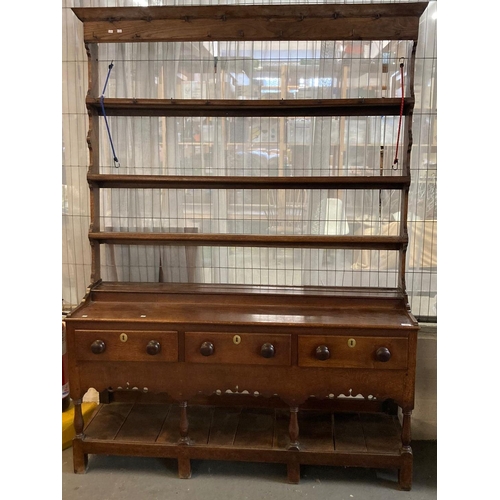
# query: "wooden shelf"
{"points": [[247, 182], [170, 292], [250, 107], [246, 434], [250, 22], [253, 240]]}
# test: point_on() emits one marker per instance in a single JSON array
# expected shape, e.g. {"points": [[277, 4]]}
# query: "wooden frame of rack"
{"points": [[387, 310], [219, 23]]}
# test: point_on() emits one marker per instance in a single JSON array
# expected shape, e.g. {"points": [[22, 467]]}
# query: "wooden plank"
{"points": [[192, 30], [169, 433], [316, 431], [246, 12], [94, 157], [255, 428], [246, 182], [382, 433], [224, 425], [108, 422], [144, 423], [380, 297], [290, 22], [348, 433], [282, 241], [250, 107], [199, 419]]}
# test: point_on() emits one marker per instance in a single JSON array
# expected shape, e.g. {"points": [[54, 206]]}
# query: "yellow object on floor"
{"points": [[68, 431]]}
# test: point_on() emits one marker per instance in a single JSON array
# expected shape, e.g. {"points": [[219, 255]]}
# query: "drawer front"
{"points": [[353, 352], [238, 348], [126, 345]]}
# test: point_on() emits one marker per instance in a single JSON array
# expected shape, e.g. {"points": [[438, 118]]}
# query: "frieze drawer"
{"points": [[353, 352], [238, 348], [126, 345]]}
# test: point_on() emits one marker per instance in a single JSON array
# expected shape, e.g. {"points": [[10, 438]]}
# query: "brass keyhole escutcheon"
{"points": [[351, 342], [123, 337], [237, 339]]}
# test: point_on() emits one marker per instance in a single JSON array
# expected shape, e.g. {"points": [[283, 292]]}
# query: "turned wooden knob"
{"points": [[267, 350], [153, 347], [98, 346], [383, 354], [322, 352], [207, 348]]}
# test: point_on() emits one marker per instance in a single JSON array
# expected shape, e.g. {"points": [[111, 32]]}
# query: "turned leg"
{"points": [[183, 461], [293, 429], [406, 469], [183, 424], [80, 459], [293, 466]]}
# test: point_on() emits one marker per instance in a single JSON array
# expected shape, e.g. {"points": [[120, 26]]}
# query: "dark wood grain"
{"points": [[133, 349], [224, 425], [183, 425], [278, 22], [247, 351], [293, 429], [362, 355], [349, 436], [254, 240], [246, 434], [249, 428], [255, 428], [143, 423], [169, 433], [109, 421], [319, 296], [249, 107], [316, 430], [200, 421], [281, 438], [381, 433], [375, 316], [248, 182], [248, 12]]}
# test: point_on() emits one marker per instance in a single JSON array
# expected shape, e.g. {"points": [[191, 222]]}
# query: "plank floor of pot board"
{"points": [[247, 434]]}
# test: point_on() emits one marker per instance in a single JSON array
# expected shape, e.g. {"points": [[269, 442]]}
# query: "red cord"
{"points": [[400, 112]]}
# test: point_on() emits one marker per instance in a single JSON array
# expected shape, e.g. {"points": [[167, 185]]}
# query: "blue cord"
{"points": [[110, 67]]}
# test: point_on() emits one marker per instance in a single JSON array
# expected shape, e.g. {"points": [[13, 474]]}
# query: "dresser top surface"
{"points": [[244, 305]]}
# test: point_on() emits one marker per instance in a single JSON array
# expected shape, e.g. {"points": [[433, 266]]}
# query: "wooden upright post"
{"points": [[93, 145]]}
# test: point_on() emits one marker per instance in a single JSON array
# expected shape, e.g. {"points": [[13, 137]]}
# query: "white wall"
{"points": [[424, 417]]}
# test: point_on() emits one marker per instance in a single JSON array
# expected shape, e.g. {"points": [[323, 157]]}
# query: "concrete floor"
{"points": [[128, 478]]}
